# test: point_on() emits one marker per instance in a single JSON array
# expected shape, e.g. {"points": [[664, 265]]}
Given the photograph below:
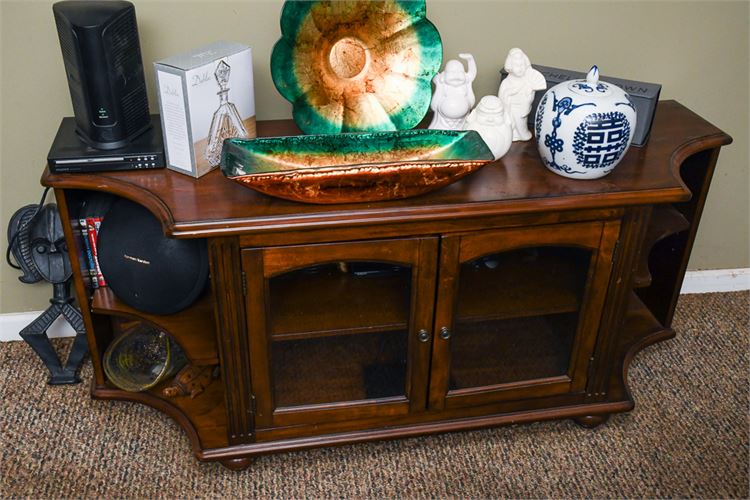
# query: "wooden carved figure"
{"points": [[191, 381]]}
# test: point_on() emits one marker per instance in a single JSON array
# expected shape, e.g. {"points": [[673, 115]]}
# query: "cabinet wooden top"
{"points": [[517, 183]]}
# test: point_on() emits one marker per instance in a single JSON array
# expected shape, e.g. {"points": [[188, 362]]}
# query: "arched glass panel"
{"points": [[517, 316], [338, 332]]}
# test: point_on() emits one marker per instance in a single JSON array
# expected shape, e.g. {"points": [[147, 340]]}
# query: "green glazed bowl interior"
{"points": [[356, 66]]}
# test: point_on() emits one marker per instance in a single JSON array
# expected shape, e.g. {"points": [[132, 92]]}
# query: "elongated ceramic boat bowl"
{"points": [[347, 168]]}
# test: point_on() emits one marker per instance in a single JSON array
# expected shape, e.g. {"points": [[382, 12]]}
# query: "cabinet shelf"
{"points": [[493, 353], [518, 289], [639, 323], [204, 416], [666, 220], [341, 368], [337, 303], [193, 328]]}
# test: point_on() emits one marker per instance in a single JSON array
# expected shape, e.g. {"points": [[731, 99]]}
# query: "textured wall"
{"points": [[698, 51]]}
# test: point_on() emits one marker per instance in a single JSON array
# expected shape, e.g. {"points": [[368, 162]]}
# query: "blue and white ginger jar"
{"points": [[584, 127]]}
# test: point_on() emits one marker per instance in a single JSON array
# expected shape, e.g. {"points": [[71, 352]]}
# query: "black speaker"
{"points": [[144, 268], [102, 56]]}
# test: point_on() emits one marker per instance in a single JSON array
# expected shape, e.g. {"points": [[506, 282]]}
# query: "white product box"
{"points": [[205, 96]]}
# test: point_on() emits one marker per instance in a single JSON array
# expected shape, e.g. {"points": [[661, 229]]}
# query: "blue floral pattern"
{"points": [[562, 107], [586, 87], [628, 104], [540, 116]]}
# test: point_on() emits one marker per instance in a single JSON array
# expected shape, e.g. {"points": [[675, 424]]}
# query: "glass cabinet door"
{"points": [[337, 330], [517, 312]]}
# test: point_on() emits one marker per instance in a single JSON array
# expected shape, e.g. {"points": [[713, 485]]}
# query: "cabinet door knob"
{"points": [[423, 335], [445, 333]]}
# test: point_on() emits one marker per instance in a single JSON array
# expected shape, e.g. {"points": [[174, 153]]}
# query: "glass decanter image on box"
{"points": [[226, 121]]}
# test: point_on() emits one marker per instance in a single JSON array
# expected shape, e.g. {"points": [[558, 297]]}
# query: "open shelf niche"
{"points": [[194, 328]]}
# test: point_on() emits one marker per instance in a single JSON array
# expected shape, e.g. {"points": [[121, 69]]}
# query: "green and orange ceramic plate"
{"points": [[356, 66], [347, 168]]}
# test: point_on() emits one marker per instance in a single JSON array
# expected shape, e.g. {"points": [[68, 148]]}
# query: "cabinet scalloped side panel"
{"points": [[668, 259]]}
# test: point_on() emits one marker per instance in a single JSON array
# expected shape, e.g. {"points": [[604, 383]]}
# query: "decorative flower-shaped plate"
{"points": [[356, 66], [347, 168]]}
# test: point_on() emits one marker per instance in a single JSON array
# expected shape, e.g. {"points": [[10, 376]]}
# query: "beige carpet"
{"points": [[687, 437]]}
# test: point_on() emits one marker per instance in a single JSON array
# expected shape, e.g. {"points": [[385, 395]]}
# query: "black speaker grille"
{"points": [[65, 35], [68, 45], [77, 98], [135, 109], [124, 56], [121, 40]]}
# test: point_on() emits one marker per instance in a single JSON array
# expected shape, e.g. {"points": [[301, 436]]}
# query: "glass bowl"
{"points": [[141, 358]]}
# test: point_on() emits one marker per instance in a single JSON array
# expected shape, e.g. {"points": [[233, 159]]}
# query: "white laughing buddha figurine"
{"points": [[517, 91], [493, 124], [454, 95]]}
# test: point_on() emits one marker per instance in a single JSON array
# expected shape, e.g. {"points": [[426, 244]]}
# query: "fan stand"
{"points": [[35, 334]]}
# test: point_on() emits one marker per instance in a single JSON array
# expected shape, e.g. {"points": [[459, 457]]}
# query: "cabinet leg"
{"points": [[237, 464], [591, 421]]}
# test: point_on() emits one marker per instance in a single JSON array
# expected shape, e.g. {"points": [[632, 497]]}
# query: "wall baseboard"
{"points": [[11, 324], [716, 280], [709, 281]]}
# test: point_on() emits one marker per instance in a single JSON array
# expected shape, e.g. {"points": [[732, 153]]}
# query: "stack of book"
{"points": [[88, 228]]}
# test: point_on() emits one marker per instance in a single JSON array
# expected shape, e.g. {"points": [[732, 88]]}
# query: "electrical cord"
{"points": [[12, 241]]}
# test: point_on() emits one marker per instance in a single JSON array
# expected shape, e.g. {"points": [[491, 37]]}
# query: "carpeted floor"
{"points": [[687, 437]]}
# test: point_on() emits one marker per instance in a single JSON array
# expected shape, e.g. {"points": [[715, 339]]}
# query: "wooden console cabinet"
{"points": [[510, 296]]}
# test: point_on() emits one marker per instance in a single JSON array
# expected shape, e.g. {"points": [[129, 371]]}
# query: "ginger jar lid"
{"points": [[592, 87]]}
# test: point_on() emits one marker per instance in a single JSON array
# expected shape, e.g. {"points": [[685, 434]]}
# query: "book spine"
{"points": [[97, 225], [83, 260], [91, 226], [89, 254]]}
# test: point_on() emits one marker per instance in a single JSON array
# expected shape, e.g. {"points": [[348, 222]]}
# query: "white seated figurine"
{"points": [[454, 95], [517, 91], [493, 124]]}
